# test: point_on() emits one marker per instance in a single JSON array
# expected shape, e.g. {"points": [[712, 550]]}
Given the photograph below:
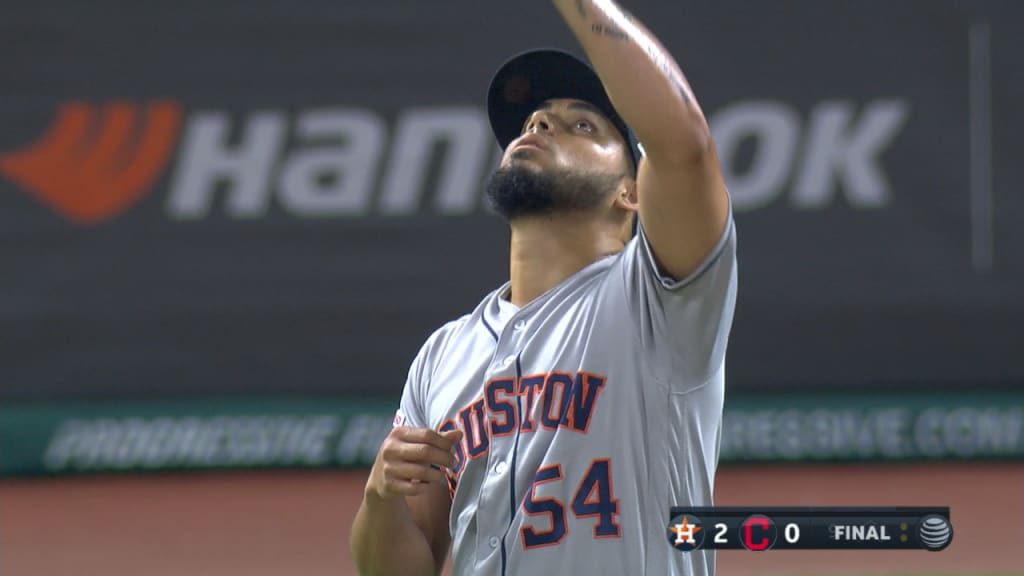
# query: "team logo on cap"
{"points": [[685, 532]]}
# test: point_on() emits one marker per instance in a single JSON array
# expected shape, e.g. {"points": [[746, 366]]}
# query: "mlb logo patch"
{"points": [[399, 419]]}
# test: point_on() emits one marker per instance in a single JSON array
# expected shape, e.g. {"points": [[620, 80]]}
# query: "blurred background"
{"points": [[227, 227]]}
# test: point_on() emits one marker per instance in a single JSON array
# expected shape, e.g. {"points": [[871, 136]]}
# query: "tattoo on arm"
{"points": [[609, 31], [614, 24], [664, 63], [683, 93]]}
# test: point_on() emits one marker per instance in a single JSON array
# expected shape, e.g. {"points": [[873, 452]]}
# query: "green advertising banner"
{"points": [[186, 435], [339, 433], [848, 427]]}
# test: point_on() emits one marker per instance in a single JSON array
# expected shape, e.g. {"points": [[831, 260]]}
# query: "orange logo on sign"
{"points": [[685, 532], [91, 165]]}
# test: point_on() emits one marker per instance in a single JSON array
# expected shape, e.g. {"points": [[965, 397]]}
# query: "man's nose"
{"points": [[539, 122]]}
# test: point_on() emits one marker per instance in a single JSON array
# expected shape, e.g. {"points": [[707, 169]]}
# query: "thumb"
{"points": [[454, 435]]}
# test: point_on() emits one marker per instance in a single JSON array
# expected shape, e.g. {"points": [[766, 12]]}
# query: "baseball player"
{"points": [[550, 430]]}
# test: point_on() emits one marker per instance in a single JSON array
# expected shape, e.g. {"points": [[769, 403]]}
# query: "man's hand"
{"points": [[406, 500], [408, 459]]}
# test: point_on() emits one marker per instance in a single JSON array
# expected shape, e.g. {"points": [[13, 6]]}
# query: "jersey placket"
{"points": [[498, 487]]}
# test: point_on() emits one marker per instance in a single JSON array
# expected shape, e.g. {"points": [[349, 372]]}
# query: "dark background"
{"points": [[836, 297]]}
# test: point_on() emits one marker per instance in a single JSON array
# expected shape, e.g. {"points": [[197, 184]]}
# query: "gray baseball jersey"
{"points": [[586, 414]]}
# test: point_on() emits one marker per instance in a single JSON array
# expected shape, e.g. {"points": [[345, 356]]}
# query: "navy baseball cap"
{"points": [[529, 79]]}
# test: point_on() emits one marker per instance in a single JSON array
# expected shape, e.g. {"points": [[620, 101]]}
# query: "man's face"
{"points": [[569, 157]]}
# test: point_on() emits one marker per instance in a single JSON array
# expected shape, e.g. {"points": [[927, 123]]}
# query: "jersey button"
{"points": [[519, 325], [500, 467], [494, 541], [511, 358]]}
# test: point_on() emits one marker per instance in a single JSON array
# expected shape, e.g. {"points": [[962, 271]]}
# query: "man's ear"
{"points": [[625, 195]]}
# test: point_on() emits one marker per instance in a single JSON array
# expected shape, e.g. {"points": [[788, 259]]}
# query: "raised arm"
{"points": [[683, 203]]}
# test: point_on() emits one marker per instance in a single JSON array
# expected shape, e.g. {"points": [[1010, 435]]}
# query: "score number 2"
{"points": [[720, 534]]}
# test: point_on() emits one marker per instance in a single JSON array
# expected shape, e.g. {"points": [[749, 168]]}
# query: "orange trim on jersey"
{"points": [[548, 395], [587, 499], [583, 388], [510, 391], [460, 453], [477, 441], [529, 392], [565, 521]]}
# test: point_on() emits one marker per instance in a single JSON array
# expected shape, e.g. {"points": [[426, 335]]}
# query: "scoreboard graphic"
{"points": [[801, 528]]}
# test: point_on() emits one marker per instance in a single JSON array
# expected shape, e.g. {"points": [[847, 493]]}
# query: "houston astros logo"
{"points": [[93, 164], [685, 532]]}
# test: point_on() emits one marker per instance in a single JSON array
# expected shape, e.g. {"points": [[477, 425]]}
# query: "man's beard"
{"points": [[517, 191]]}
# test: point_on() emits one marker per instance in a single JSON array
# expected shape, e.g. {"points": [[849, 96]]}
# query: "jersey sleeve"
{"points": [[683, 324], [412, 411], [413, 408]]}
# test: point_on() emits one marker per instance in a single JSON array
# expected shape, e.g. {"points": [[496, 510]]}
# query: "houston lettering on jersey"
{"points": [[547, 401]]}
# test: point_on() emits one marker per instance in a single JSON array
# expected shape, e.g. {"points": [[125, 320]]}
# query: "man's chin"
{"points": [[520, 188]]}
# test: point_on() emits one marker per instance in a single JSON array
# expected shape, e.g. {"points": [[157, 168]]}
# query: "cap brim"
{"points": [[529, 79]]}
